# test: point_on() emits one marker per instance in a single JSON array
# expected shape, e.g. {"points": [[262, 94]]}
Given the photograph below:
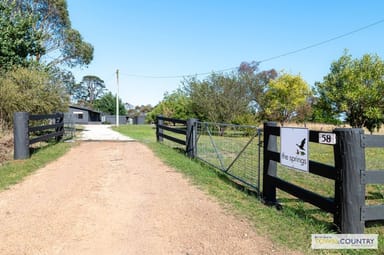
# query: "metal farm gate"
{"points": [[239, 151], [233, 149]]}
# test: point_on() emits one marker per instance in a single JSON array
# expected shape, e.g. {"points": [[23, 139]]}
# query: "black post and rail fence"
{"points": [[22, 131], [349, 173], [186, 128]]}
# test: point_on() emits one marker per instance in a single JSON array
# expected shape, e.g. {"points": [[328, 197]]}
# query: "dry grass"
{"points": [[329, 127], [316, 126], [6, 145]]}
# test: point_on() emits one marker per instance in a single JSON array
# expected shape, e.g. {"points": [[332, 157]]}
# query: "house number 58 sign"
{"points": [[327, 138]]}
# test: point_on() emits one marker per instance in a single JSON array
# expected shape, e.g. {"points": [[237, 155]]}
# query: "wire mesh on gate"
{"points": [[69, 126], [233, 149]]}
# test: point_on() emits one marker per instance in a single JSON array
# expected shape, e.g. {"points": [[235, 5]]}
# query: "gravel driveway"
{"points": [[118, 198], [101, 133]]}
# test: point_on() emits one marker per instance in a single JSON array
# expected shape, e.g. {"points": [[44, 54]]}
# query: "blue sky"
{"points": [[175, 38]]}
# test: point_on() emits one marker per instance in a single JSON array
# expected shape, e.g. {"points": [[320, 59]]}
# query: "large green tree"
{"points": [[218, 98], [286, 97], [88, 90], [63, 44], [19, 42], [175, 105], [107, 104], [256, 83], [322, 110], [43, 28], [355, 88], [237, 97]]}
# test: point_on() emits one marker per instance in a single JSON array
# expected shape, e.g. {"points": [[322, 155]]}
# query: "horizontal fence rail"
{"points": [[172, 120], [181, 132], [349, 173], [162, 125], [372, 141], [26, 135], [239, 151], [46, 116], [271, 181], [372, 212]]}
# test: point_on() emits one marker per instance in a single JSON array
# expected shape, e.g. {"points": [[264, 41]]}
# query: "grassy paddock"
{"points": [[291, 227], [330, 127]]}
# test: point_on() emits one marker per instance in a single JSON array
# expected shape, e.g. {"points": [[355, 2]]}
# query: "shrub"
{"points": [[29, 90]]}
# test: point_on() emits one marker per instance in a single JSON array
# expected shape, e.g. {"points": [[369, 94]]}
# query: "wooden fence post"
{"points": [[21, 135], [191, 138], [349, 191], [269, 166], [159, 131]]}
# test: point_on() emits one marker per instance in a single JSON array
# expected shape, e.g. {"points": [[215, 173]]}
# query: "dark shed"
{"points": [[84, 115]]}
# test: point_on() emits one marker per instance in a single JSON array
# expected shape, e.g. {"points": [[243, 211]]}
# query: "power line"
{"points": [[323, 42], [177, 76], [263, 60]]}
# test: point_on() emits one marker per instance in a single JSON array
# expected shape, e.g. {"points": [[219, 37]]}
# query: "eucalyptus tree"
{"points": [[88, 90], [256, 83], [62, 44], [218, 98]]}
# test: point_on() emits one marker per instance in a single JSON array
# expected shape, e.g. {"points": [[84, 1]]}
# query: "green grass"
{"points": [[14, 171], [291, 227]]}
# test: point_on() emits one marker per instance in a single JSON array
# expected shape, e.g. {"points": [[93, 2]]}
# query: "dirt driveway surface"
{"points": [[118, 198]]}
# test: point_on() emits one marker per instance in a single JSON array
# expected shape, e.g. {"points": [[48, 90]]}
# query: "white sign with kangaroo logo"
{"points": [[294, 148]]}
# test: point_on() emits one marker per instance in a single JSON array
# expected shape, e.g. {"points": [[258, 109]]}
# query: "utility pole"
{"points": [[117, 98]]}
